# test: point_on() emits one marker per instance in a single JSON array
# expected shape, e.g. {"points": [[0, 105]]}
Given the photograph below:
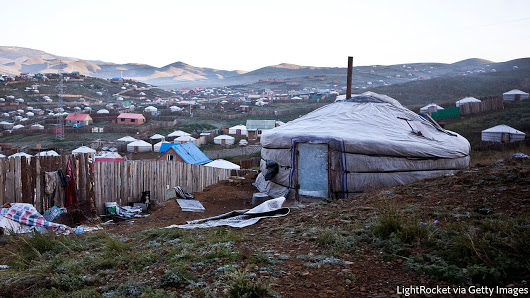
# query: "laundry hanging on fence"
{"points": [[53, 188], [27, 215], [240, 218], [71, 191]]}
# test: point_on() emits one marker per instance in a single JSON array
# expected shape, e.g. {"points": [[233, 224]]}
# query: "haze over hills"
{"points": [[15, 60]]}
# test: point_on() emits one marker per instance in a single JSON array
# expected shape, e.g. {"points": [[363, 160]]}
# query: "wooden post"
{"points": [[350, 73]]}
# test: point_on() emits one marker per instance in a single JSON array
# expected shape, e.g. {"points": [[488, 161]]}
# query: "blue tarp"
{"points": [[189, 152]]}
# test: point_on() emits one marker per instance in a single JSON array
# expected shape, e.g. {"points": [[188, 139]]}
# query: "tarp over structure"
{"points": [[503, 134], [223, 164], [368, 141], [142, 146], [514, 94]]}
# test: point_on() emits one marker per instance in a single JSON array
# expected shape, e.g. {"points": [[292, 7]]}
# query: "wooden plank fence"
{"points": [[490, 103], [22, 180]]}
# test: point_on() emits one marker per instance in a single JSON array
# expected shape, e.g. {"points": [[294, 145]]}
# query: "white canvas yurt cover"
{"points": [[83, 149], [238, 130], [466, 100], [368, 141], [223, 164], [430, 108], [178, 133], [224, 140], [157, 137], [514, 94], [126, 139], [142, 146], [503, 134]]}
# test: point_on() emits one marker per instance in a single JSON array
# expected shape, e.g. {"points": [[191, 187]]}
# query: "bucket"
{"points": [[110, 207], [259, 198]]}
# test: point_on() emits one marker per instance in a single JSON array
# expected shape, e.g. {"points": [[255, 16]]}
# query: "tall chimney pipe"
{"points": [[350, 71]]}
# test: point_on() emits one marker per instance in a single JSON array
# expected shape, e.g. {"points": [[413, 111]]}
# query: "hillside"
{"points": [[14, 60]]}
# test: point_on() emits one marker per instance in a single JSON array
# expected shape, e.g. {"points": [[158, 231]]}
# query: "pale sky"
{"points": [[246, 34]]}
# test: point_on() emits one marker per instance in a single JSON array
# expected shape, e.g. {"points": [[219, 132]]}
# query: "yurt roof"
{"points": [[504, 129], [223, 164], [178, 133], [157, 137], [126, 139], [432, 105], [139, 143], [20, 154], [369, 127], [185, 138], [84, 149], [468, 99], [515, 91], [47, 153], [225, 137]]}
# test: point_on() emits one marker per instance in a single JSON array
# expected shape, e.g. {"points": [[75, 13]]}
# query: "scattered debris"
{"points": [[190, 205]]}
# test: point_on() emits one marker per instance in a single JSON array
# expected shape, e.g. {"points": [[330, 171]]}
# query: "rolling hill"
{"points": [[15, 60]]}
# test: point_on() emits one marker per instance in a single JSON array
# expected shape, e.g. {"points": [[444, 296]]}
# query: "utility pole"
{"points": [[350, 73], [59, 130]]}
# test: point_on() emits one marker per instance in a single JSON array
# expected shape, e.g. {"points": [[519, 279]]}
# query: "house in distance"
{"points": [[130, 118]]}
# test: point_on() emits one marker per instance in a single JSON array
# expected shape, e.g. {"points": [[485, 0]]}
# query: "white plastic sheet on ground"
{"points": [[240, 218]]}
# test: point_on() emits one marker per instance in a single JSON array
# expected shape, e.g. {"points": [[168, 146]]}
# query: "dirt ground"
{"points": [[502, 188]]}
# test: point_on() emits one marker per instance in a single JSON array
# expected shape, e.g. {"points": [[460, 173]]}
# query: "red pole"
{"points": [[350, 72]]}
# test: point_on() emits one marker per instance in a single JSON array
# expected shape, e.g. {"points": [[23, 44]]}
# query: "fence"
{"points": [[247, 150], [121, 181], [489, 103]]}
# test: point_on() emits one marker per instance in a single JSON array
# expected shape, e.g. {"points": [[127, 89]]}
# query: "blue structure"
{"points": [[189, 152]]}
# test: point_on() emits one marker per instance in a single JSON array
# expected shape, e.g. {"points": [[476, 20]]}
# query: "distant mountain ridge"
{"points": [[15, 60]]}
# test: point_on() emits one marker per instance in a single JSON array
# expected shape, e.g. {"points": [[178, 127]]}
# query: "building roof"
{"points": [[139, 143], [240, 126], [77, 117], [504, 129], [131, 115], [260, 124], [189, 152], [432, 105], [515, 91]]}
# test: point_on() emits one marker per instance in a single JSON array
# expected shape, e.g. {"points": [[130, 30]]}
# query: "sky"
{"points": [[246, 34]]}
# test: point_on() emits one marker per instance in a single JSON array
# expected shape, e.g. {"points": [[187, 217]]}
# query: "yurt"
{"points": [[83, 150], [103, 111], [109, 156], [126, 139], [430, 108], [466, 100], [502, 134], [368, 141], [177, 133], [514, 95], [156, 147], [223, 164], [139, 146], [36, 126], [20, 154], [184, 139], [157, 137], [224, 140], [18, 126], [238, 130], [47, 153], [150, 109]]}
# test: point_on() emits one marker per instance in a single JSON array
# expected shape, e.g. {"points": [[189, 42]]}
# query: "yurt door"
{"points": [[313, 169]]}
